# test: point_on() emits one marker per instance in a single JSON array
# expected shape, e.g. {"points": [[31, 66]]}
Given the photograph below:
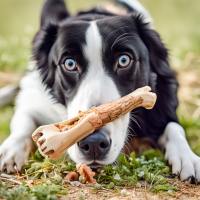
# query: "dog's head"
{"points": [[87, 63]]}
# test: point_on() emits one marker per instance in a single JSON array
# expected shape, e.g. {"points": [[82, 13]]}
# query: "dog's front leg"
{"points": [[16, 148], [179, 154]]}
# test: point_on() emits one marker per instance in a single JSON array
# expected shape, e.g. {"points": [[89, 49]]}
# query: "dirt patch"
{"points": [[186, 191], [7, 78], [189, 90]]}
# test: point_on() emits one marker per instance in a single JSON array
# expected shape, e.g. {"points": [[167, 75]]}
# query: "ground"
{"points": [[186, 191]]}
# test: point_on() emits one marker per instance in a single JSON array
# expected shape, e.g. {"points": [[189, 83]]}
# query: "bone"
{"points": [[53, 140]]}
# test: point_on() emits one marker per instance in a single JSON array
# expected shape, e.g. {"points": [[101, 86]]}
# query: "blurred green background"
{"points": [[177, 21]]}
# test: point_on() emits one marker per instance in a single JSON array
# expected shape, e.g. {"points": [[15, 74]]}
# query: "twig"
{"points": [[40, 170], [11, 180], [192, 100], [8, 93], [175, 179], [145, 190]]}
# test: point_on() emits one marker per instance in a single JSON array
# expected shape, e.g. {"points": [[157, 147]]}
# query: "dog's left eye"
{"points": [[70, 64], [124, 61]]}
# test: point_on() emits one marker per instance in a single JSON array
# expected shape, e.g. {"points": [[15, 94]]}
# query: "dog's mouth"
{"points": [[95, 165]]}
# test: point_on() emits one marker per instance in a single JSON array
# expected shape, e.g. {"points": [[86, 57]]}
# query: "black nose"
{"points": [[95, 145]]}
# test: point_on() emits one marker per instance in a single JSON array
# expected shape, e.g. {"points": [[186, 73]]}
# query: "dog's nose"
{"points": [[95, 145]]}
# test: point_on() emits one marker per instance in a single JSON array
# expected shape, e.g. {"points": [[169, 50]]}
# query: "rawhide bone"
{"points": [[53, 140]]}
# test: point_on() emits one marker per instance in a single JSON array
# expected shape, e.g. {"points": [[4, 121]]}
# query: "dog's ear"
{"points": [[41, 50], [162, 78], [53, 11]]}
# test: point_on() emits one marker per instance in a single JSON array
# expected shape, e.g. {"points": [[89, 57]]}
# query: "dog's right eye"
{"points": [[124, 61], [70, 64]]}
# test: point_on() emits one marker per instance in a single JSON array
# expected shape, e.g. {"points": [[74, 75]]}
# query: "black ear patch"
{"points": [[53, 11], [163, 80], [42, 46]]}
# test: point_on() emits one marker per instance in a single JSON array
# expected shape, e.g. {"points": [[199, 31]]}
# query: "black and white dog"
{"points": [[90, 59]]}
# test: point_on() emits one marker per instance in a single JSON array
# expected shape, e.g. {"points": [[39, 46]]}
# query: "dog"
{"points": [[89, 59]]}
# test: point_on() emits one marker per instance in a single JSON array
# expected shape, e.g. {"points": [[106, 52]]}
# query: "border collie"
{"points": [[89, 59]]}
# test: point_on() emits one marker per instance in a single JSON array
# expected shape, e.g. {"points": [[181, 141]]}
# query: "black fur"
{"points": [[41, 53], [149, 62], [166, 86]]}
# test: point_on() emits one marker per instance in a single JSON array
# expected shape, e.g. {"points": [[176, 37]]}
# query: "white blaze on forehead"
{"points": [[93, 48], [97, 88]]}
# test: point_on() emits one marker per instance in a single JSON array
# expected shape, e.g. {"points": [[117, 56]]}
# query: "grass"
{"points": [[22, 192], [14, 53], [176, 20], [126, 172], [5, 118], [191, 126]]}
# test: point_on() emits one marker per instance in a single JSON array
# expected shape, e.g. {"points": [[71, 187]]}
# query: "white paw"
{"points": [[178, 153], [14, 151], [184, 162]]}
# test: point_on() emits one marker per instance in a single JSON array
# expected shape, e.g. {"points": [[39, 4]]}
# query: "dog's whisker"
{"points": [[128, 135], [127, 148], [132, 130], [131, 133], [128, 144], [117, 39], [120, 39], [115, 164], [133, 112], [133, 115], [114, 32], [124, 154], [124, 41], [132, 118]]}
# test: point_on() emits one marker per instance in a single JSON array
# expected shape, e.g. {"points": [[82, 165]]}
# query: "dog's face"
{"points": [[93, 63]]}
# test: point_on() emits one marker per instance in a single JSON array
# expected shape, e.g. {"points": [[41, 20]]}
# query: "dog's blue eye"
{"points": [[124, 61], [70, 64]]}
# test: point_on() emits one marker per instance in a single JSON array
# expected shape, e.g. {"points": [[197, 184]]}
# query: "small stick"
{"points": [[54, 139], [11, 180]]}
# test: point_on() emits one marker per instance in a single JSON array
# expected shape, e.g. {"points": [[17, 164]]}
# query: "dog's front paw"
{"points": [[14, 152], [184, 162]]}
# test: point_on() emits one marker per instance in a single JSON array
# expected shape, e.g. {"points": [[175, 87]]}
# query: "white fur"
{"points": [[137, 6], [97, 88], [178, 152], [33, 108]]}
